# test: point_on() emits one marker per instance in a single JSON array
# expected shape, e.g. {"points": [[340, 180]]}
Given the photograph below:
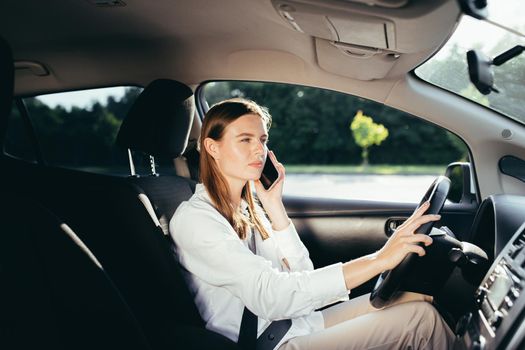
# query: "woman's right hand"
{"points": [[405, 240], [274, 194], [271, 199]]}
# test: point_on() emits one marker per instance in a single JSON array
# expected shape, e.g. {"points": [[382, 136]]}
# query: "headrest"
{"points": [[6, 86], [159, 121]]}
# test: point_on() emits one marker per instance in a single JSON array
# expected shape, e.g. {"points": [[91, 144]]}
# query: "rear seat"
{"points": [[54, 293], [110, 217]]}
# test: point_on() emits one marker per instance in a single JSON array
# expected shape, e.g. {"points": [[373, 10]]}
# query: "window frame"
{"points": [[202, 107]]}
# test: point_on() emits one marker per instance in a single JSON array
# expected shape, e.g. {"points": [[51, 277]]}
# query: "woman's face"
{"points": [[241, 152]]}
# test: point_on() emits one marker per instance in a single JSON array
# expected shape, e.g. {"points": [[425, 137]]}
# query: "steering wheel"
{"points": [[389, 281]]}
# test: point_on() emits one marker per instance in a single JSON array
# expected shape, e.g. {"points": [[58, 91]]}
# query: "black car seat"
{"points": [[45, 301], [127, 225], [6, 84], [158, 124], [54, 293]]}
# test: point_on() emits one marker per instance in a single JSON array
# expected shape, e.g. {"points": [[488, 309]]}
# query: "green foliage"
{"points": [[367, 133], [78, 137], [310, 126], [473, 94], [449, 70]]}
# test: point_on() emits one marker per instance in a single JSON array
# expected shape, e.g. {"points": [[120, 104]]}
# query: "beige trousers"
{"points": [[410, 322]]}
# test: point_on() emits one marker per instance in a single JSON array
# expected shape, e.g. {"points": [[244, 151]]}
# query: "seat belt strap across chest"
{"points": [[271, 336]]}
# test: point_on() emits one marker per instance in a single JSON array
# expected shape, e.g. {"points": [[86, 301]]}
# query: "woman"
{"points": [[238, 253]]}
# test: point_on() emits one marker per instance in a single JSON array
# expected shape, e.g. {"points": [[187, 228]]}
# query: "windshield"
{"points": [[448, 68]]}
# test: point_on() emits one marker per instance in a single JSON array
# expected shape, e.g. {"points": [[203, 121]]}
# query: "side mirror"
{"points": [[462, 188]]}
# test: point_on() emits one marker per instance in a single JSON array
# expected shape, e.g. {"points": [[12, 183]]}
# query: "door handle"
{"points": [[392, 224]]}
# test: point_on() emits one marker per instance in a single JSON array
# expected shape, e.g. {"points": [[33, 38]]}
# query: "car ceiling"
{"points": [[82, 44]]}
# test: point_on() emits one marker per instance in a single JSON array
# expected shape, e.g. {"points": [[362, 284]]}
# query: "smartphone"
{"points": [[269, 174]]}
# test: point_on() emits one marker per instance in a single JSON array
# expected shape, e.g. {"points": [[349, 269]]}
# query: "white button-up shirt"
{"points": [[224, 275]]}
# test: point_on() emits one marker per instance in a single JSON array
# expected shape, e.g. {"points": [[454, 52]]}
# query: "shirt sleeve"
{"points": [[293, 249], [212, 251]]}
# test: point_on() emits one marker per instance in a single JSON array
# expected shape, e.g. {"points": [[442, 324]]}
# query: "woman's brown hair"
{"points": [[215, 122]]}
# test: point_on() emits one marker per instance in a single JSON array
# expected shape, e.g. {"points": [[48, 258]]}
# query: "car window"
{"points": [[76, 130], [448, 68], [337, 145]]}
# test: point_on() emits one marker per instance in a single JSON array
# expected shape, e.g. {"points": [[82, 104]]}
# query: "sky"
{"points": [[82, 99], [472, 31]]}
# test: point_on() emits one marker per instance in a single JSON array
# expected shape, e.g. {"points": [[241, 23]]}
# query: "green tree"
{"points": [[310, 126], [367, 133]]}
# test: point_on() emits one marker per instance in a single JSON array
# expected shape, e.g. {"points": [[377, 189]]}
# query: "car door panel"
{"points": [[342, 230]]}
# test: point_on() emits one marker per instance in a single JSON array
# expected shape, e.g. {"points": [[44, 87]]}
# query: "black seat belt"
{"points": [[248, 333], [271, 336], [249, 324]]}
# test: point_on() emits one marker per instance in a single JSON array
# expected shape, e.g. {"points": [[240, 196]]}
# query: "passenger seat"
{"points": [[158, 124]]}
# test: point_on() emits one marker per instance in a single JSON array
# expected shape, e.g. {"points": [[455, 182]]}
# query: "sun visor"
{"points": [[371, 39], [364, 31], [347, 42], [338, 26]]}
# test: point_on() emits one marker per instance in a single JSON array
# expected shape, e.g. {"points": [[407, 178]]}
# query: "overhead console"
{"points": [[364, 39], [346, 27], [497, 320]]}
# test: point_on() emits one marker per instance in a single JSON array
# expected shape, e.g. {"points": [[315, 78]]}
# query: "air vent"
{"points": [[520, 240], [107, 3], [517, 245]]}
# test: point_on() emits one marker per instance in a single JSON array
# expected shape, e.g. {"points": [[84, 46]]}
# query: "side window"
{"points": [[340, 146], [75, 129]]}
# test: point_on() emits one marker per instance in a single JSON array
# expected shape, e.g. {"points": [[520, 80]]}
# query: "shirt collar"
{"points": [[200, 190]]}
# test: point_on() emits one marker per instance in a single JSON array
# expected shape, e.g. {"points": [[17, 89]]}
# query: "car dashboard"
{"points": [[496, 319]]}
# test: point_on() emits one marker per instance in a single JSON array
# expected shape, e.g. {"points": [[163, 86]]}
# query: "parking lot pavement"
{"points": [[395, 188]]}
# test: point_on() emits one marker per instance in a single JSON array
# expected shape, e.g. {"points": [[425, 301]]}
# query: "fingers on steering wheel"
{"points": [[420, 210], [413, 247], [415, 215], [420, 238], [417, 249], [422, 220]]}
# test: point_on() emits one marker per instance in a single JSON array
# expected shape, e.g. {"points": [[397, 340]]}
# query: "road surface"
{"points": [[395, 188]]}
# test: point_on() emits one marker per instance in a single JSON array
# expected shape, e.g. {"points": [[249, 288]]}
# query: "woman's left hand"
{"points": [[405, 240], [271, 199]]}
